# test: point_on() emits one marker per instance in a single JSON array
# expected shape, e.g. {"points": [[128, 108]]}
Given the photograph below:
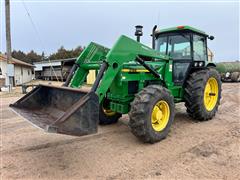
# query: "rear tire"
{"points": [[152, 114], [201, 86], [106, 116]]}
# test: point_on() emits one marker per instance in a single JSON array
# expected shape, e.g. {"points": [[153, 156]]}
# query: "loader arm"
{"points": [[124, 50], [91, 58]]}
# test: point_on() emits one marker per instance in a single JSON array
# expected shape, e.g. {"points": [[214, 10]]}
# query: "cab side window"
{"points": [[199, 48], [179, 47], [161, 45]]}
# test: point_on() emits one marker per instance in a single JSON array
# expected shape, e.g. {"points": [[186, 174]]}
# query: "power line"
{"points": [[38, 35], [33, 24]]}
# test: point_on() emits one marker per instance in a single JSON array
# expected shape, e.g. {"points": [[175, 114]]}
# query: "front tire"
{"points": [[202, 94], [152, 114], [107, 116]]}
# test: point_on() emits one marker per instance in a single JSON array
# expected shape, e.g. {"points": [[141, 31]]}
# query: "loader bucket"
{"points": [[60, 110]]}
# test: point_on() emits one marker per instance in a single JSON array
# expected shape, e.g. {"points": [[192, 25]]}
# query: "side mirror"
{"points": [[211, 37]]}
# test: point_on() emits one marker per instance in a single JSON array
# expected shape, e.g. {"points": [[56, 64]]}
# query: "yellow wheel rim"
{"points": [[108, 112], [160, 115], [211, 94]]}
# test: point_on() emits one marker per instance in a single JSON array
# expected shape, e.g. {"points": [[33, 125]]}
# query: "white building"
{"points": [[20, 72]]}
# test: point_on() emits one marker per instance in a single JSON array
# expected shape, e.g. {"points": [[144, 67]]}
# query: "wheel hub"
{"points": [[211, 94], [160, 115], [108, 112]]}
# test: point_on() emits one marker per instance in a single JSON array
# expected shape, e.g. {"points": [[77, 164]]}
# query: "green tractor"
{"points": [[132, 79]]}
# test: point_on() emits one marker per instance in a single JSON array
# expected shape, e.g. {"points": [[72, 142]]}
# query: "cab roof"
{"points": [[180, 28]]}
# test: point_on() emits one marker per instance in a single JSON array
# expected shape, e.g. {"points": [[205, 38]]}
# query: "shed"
{"points": [[19, 72], [53, 69]]}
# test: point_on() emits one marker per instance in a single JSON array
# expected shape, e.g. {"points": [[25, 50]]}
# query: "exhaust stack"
{"points": [[153, 36]]}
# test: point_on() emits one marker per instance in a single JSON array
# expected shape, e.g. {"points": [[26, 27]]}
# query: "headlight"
{"points": [[196, 64], [200, 64]]}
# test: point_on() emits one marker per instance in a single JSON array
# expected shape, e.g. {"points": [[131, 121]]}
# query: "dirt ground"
{"points": [[192, 150]]}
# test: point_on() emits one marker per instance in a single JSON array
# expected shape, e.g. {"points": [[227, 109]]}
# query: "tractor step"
{"points": [[61, 110]]}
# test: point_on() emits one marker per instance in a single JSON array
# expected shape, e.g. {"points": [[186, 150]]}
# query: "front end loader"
{"points": [[131, 78]]}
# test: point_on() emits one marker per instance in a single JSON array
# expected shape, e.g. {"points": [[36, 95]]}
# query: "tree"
{"points": [[19, 55], [33, 57], [30, 57], [77, 51], [63, 53]]}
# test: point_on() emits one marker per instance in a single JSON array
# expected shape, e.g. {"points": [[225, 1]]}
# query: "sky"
{"points": [[74, 23]]}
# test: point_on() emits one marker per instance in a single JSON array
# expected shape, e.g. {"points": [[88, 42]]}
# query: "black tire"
{"points": [[141, 113], [104, 118], [194, 94], [235, 76]]}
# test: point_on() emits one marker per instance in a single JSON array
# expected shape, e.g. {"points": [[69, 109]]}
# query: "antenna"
{"points": [[158, 18]]}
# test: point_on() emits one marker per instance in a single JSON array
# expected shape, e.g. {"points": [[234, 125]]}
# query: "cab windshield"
{"points": [[176, 46]]}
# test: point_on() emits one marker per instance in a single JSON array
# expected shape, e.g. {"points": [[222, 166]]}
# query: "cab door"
{"points": [[179, 49]]}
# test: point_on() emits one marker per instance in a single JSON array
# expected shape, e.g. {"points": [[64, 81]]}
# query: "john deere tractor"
{"points": [[132, 79]]}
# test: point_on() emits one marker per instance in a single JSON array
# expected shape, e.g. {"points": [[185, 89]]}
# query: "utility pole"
{"points": [[8, 41], [8, 31]]}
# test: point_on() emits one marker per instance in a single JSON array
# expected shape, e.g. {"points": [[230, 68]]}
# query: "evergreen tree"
{"points": [[33, 56]]}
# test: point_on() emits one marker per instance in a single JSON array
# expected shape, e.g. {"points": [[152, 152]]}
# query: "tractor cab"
{"points": [[186, 46]]}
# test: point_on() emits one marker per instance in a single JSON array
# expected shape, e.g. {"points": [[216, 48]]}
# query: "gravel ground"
{"points": [[192, 150]]}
